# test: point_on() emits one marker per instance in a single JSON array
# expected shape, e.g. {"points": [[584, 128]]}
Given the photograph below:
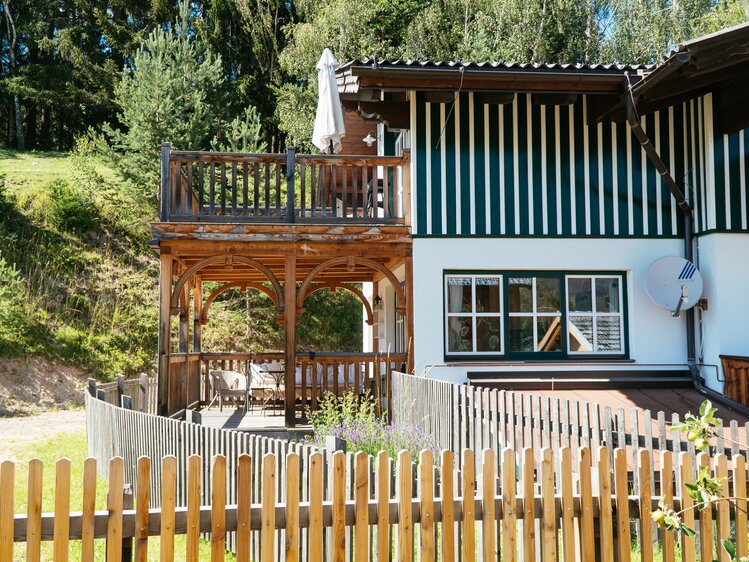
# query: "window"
{"points": [[474, 314], [534, 310], [594, 314], [534, 315]]}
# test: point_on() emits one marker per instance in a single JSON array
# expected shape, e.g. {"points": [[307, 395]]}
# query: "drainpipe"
{"points": [[686, 209]]}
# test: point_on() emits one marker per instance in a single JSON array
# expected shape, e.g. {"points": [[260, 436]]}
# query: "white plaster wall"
{"points": [[386, 316], [655, 338], [366, 328], [724, 264]]}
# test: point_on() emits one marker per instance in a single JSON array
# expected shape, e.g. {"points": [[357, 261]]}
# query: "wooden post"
{"points": [[120, 388], [375, 319], [143, 393], [407, 185], [165, 179], [197, 333], [164, 346], [409, 315], [92, 387], [290, 335], [183, 337]]}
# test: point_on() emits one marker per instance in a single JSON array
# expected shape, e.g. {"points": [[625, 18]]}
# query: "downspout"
{"points": [[642, 137]]}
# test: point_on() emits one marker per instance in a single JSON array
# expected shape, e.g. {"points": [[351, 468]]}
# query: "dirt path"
{"points": [[17, 432]]}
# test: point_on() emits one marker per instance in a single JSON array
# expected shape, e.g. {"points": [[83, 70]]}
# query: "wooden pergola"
{"points": [[344, 222]]}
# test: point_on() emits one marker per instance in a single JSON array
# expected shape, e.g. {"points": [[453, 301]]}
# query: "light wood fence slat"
{"points": [[447, 497], [405, 548], [292, 507], [62, 510], [244, 502], [529, 508], [509, 506], [723, 523], [88, 510], [621, 490], [34, 512], [267, 539], [168, 502], [707, 549], [194, 469], [426, 503], [218, 508], [114, 507], [316, 508], [488, 526], [549, 520], [667, 493], [7, 483], [568, 505], [469, 507], [645, 505], [604, 505], [688, 552], [142, 501], [739, 479]]}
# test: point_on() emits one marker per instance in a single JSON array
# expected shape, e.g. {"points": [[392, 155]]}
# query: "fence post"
{"points": [[165, 180], [127, 504], [92, 387], [290, 188], [120, 388], [143, 393]]}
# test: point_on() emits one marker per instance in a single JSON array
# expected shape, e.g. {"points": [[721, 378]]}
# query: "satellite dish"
{"points": [[674, 284]]}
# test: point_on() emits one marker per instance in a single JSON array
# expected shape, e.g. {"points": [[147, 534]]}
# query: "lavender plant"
{"points": [[354, 419]]}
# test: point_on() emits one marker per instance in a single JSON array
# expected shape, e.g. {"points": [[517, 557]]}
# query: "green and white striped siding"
{"points": [[527, 170]]}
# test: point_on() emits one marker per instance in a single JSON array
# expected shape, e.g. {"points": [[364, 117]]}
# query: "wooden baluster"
{"points": [[313, 190], [245, 187], [278, 189], [354, 194], [255, 188], [201, 185], [212, 189], [344, 183], [333, 189], [303, 180], [267, 165], [364, 192], [385, 192], [190, 207], [223, 187], [234, 189]]}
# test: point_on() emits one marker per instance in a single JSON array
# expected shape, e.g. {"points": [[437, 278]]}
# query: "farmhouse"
{"points": [[503, 232]]}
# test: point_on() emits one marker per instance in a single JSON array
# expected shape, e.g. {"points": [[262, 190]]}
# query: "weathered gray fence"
{"points": [[468, 417]]}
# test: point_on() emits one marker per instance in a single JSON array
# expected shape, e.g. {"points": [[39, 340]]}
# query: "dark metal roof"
{"points": [[487, 65]]}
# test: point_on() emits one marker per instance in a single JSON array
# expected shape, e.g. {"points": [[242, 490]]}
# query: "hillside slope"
{"points": [[79, 283]]}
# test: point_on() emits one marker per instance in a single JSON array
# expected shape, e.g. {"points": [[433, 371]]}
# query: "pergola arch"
{"points": [[347, 287], [372, 264], [195, 268], [243, 285]]}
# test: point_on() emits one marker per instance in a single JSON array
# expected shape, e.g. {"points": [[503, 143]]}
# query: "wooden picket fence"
{"points": [[507, 510], [461, 417]]}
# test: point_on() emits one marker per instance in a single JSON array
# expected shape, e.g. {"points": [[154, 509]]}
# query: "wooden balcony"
{"points": [[288, 188]]}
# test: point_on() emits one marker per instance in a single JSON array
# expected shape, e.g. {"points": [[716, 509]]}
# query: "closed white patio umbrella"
{"points": [[329, 127]]}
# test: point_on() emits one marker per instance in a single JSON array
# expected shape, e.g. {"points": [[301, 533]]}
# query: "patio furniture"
{"points": [[228, 384], [277, 372]]}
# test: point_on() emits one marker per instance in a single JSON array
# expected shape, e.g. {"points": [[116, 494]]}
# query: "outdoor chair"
{"points": [[228, 384]]}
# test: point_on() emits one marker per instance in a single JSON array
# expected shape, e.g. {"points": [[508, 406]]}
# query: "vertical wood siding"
{"points": [[533, 170]]}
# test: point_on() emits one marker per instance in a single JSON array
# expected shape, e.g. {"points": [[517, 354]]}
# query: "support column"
{"points": [[375, 318], [289, 316], [183, 333], [197, 327], [165, 297], [410, 314]]}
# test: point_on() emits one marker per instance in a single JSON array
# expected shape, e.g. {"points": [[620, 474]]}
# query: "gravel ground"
{"points": [[17, 432]]}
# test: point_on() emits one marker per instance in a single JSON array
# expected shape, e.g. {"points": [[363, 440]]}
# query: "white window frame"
{"points": [[534, 314], [473, 314], [595, 314]]}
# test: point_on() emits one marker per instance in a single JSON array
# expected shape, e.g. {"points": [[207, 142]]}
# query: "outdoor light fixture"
{"points": [[378, 303], [369, 139]]}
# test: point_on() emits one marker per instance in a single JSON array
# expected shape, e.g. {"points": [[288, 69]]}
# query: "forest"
{"points": [[68, 67]]}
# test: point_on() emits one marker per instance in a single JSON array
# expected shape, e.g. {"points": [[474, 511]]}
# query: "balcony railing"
{"points": [[285, 187]]}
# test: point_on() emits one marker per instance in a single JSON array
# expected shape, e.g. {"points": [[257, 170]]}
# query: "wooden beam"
{"points": [[197, 329], [290, 340], [164, 343], [410, 314]]}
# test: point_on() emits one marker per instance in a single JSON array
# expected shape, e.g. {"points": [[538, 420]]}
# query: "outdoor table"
{"points": [[278, 375]]}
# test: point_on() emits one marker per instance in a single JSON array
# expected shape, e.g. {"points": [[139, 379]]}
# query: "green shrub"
{"points": [[70, 209], [13, 318]]}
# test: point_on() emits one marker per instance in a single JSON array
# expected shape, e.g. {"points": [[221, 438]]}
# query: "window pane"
{"points": [[459, 294], [488, 336], [608, 333], [579, 294], [580, 333], [607, 294], [459, 334], [549, 333], [520, 294], [548, 295], [487, 294], [521, 334]]}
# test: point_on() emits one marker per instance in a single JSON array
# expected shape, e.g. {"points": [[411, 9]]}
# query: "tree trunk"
{"points": [[13, 38], [31, 115]]}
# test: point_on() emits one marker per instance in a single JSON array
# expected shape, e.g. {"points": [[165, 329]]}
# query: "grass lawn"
{"points": [[73, 446]]}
